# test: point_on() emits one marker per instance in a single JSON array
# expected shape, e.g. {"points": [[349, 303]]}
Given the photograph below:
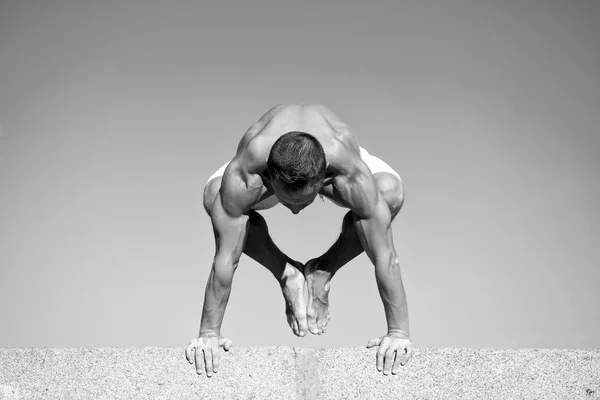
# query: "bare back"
{"points": [[350, 182]]}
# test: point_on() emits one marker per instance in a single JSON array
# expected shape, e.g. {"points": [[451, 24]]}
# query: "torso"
{"points": [[345, 168]]}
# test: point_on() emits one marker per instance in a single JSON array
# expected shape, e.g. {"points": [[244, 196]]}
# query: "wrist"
{"points": [[209, 333], [399, 332]]}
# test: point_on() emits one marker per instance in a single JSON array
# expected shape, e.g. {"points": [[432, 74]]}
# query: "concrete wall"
{"points": [[289, 373]]}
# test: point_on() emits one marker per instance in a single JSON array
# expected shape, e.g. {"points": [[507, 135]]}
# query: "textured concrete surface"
{"points": [[348, 373], [287, 373], [144, 373]]}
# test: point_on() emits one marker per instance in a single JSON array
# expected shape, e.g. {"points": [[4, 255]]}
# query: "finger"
{"points": [[373, 342], [198, 357], [208, 360], [225, 343], [390, 354], [189, 353], [383, 347], [409, 353], [400, 357], [215, 354]]}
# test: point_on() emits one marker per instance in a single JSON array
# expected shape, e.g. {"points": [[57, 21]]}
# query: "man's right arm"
{"points": [[230, 226], [230, 235]]}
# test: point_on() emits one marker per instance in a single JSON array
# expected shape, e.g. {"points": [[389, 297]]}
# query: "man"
{"points": [[291, 155]]}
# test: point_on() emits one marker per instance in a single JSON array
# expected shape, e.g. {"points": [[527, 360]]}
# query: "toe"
{"points": [[302, 327], [325, 322], [312, 320], [313, 327], [292, 322], [322, 321]]}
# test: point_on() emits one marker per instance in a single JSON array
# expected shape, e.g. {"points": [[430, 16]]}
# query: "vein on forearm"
{"points": [[393, 296], [218, 290]]}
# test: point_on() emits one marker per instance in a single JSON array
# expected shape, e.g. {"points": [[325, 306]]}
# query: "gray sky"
{"points": [[113, 114]]}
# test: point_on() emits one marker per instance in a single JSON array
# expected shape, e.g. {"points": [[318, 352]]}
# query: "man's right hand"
{"points": [[204, 350]]}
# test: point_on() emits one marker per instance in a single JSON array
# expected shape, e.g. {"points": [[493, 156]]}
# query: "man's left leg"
{"points": [[319, 271]]}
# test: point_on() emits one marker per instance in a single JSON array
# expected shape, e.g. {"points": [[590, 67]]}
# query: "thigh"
{"points": [[388, 181], [210, 193], [377, 165], [212, 187], [390, 187]]}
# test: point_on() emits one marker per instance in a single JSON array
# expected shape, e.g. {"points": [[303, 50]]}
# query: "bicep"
{"points": [[229, 214], [374, 231], [230, 229]]}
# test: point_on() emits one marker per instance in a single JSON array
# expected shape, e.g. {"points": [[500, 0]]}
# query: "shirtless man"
{"points": [[291, 155]]}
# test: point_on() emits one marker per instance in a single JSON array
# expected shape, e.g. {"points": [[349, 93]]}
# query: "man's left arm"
{"points": [[375, 233]]}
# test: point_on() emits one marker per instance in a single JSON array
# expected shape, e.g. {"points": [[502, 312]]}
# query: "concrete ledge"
{"points": [[288, 373]]}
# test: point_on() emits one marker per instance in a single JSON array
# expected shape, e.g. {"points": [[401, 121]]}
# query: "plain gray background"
{"points": [[114, 114]]}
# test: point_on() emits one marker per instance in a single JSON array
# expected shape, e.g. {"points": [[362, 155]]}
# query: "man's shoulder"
{"points": [[243, 174], [240, 188], [343, 152], [252, 157]]}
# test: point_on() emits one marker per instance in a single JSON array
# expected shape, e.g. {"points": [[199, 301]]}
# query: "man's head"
{"points": [[297, 167]]}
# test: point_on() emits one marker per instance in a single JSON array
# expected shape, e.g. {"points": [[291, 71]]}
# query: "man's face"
{"points": [[297, 200]]}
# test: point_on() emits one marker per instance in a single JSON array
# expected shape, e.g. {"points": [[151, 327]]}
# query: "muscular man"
{"points": [[291, 155]]}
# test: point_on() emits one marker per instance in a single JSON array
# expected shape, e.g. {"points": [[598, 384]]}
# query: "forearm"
{"points": [[393, 296], [216, 296], [375, 235]]}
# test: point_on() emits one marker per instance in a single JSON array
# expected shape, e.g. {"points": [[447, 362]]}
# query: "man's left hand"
{"points": [[395, 349]]}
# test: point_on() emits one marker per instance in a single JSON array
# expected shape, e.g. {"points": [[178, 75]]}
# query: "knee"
{"points": [[392, 190], [210, 193]]}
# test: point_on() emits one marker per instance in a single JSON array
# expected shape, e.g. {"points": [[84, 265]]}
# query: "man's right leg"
{"points": [[260, 247]]}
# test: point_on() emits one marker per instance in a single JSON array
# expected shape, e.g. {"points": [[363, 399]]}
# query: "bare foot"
{"points": [[317, 308], [292, 286]]}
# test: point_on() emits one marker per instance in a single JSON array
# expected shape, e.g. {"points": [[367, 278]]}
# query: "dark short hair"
{"points": [[297, 160]]}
